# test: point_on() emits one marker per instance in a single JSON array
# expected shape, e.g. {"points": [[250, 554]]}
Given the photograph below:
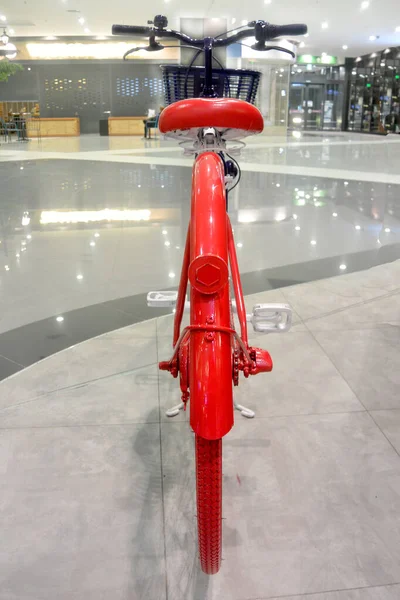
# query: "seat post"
{"points": [[208, 90]]}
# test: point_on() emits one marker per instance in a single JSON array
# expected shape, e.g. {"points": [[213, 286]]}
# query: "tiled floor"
{"points": [[97, 491]]}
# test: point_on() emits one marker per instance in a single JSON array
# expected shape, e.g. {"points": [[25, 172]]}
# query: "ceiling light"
{"points": [[313, 242], [373, 55], [297, 228], [239, 245], [345, 47], [386, 51], [102, 38], [79, 277], [60, 319], [345, 183], [29, 237], [358, 227], [164, 232], [11, 31], [92, 244], [96, 235], [3, 18], [324, 24], [166, 1], [267, 1], [358, 58], [51, 38], [397, 29], [342, 267], [334, 214], [167, 243], [86, 30], [372, 38], [171, 275], [7, 268], [364, 4], [81, 20], [294, 216], [387, 229]]}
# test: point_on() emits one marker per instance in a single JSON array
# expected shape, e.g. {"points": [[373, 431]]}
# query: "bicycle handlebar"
{"points": [[260, 29]]}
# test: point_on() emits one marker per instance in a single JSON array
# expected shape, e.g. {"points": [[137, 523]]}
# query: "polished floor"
{"points": [[305, 209], [97, 493]]}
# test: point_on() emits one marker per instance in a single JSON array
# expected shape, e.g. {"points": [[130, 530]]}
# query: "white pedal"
{"points": [[162, 299], [271, 318]]}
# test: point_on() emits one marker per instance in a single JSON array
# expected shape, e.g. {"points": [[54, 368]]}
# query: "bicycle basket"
{"points": [[179, 83]]}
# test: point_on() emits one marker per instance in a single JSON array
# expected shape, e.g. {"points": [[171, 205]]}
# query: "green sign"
{"points": [[368, 85], [308, 59], [397, 77]]}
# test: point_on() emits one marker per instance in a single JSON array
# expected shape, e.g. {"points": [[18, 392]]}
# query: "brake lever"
{"points": [[153, 46], [261, 47]]}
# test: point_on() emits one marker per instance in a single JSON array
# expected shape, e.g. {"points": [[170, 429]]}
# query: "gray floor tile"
{"points": [[303, 380], [386, 592], [389, 422], [316, 298], [118, 351], [8, 367], [371, 314], [311, 503], [126, 398], [369, 360], [81, 514]]}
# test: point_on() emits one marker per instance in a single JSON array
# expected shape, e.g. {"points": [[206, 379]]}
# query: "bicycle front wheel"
{"points": [[209, 502]]}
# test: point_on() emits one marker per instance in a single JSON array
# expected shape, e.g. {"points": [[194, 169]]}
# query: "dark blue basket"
{"points": [[230, 83]]}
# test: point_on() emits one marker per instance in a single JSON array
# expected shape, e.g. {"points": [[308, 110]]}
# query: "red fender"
{"points": [[210, 370]]}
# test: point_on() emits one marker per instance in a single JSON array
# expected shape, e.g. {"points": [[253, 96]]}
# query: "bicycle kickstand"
{"points": [[245, 412]]}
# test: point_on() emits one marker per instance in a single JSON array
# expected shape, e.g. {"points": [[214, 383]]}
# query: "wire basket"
{"points": [[181, 83]]}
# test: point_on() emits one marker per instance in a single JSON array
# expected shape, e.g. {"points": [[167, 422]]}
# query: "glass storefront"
{"points": [[374, 91], [316, 97]]}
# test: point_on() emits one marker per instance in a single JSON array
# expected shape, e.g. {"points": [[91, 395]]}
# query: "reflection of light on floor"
{"points": [[85, 216]]}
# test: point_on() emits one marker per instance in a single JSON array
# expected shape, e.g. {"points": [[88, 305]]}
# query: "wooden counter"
{"points": [[126, 125], [53, 127]]}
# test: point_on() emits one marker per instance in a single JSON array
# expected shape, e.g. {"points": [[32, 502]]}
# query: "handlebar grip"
{"points": [[130, 30], [280, 30]]}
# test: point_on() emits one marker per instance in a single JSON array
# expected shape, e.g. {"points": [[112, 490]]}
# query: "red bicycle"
{"points": [[209, 354]]}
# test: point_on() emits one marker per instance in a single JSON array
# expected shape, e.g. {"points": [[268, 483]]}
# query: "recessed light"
{"points": [[171, 275], [86, 30], [324, 24], [297, 228], [96, 235], [239, 245], [364, 4], [372, 38], [345, 47], [7, 268], [342, 267], [59, 319], [313, 242], [358, 227], [164, 232], [92, 244], [334, 214], [267, 1], [79, 277], [3, 18], [11, 31], [81, 20], [387, 229], [166, 1], [167, 243]]}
